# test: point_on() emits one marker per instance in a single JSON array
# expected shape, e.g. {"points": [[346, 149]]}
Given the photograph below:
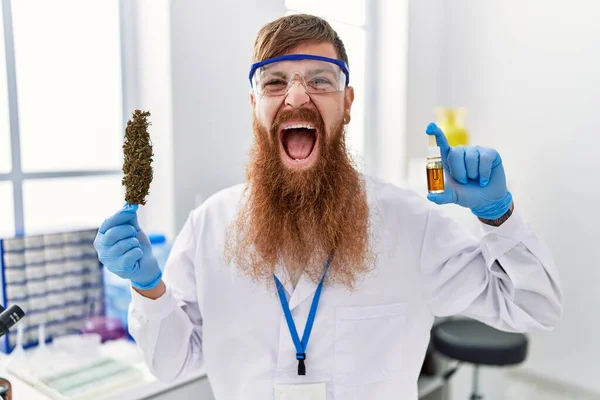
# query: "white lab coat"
{"points": [[366, 344]]}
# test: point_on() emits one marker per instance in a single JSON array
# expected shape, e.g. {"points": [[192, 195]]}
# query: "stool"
{"points": [[468, 340]]}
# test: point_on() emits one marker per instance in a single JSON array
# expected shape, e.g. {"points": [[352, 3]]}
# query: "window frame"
{"points": [[16, 175]]}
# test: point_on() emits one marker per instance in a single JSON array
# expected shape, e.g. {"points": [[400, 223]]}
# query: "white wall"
{"points": [[387, 55], [528, 73], [426, 63], [211, 55], [148, 54]]}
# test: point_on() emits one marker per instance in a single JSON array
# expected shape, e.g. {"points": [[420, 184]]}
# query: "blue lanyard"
{"points": [[301, 345]]}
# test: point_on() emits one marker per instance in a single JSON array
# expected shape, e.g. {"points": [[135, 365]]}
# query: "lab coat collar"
{"points": [[304, 291], [305, 288]]}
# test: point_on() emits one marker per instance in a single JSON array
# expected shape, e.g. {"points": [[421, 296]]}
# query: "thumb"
{"points": [[448, 197], [440, 139], [134, 220]]}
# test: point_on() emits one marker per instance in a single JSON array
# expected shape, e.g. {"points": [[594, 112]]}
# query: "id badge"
{"points": [[309, 391]]}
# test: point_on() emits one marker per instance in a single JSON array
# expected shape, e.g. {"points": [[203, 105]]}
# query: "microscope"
{"points": [[8, 318]]}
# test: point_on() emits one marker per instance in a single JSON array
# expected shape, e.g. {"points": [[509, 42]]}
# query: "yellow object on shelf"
{"points": [[451, 122]]}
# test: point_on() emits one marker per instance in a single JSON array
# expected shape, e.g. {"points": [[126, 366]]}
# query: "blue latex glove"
{"points": [[474, 178], [125, 250]]}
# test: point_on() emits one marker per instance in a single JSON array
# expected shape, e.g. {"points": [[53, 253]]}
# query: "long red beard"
{"points": [[301, 218]]}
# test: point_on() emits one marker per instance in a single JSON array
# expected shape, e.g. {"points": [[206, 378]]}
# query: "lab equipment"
{"points": [[451, 122], [160, 248], [434, 167], [273, 77], [9, 317], [43, 356], [479, 180], [125, 250], [56, 279], [117, 296], [18, 353], [95, 378], [42, 337], [14, 358], [84, 344], [74, 367], [107, 328]]}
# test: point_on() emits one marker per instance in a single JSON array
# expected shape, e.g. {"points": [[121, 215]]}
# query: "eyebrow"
{"points": [[277, 73], [329, 70]]}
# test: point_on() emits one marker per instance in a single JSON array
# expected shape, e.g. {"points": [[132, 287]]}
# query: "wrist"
{"points": [[501, 220], [148, 275], [494, 210], [153, 293]]}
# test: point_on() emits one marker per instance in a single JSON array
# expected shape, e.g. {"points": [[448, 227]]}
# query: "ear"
{"points": [[348, 100], [252, 99]]}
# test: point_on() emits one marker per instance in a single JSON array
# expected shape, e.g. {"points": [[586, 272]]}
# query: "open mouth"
{"points": [[299, 141]]}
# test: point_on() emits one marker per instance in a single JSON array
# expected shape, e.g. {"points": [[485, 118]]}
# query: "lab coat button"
{"points": [[493, 237]]}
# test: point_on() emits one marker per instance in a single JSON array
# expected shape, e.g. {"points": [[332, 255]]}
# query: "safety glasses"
{"points": [[275, 76]]}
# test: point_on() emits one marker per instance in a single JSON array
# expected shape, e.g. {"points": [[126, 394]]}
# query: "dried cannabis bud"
{"points": [[137, 163]]}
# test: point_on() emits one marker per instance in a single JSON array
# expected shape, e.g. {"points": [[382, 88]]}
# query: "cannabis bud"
{"points": [[137, 151]]}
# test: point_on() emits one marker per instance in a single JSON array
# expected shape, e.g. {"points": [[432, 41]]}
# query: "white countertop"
{"points": [[121, 349], [149, 385]]}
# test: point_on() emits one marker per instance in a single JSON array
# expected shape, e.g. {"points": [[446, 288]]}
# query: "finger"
{"points": [[449, 196], [488, 159], [127, 261], [134, 220], [440, 139], [456, 162], [472, 162], [125, 214], [118, 233], [123, 246], [111, 255]]}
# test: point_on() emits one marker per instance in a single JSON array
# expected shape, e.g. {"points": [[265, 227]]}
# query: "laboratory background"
{"points": [[520, 76]]}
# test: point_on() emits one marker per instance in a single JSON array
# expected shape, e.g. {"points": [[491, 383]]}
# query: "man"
{"points": [[311, 249]]}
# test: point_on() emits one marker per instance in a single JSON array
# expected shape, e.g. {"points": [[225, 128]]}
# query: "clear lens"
{"points": [[316, 76]]}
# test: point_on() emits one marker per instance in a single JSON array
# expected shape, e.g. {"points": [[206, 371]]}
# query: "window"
{"points": [[61, 114], [7, 216], [348, 19], [5, 158]]}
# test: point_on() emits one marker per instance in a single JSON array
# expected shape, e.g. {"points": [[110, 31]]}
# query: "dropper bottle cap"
{"points": [[433, 150]]}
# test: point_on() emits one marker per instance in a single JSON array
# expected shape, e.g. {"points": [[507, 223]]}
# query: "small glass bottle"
{"points": [[435, 168]]}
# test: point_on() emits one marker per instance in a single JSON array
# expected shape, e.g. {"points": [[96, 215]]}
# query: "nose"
{"points": [[296, 95]]}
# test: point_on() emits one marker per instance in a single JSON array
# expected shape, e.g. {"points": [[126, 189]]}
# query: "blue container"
{"points": [[160, 249]]}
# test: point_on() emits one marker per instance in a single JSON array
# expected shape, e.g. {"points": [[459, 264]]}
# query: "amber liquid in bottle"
{"points": [[435, 176]]}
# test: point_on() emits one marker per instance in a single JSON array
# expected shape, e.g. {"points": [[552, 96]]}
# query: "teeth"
{"points": [[297, 126]]}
